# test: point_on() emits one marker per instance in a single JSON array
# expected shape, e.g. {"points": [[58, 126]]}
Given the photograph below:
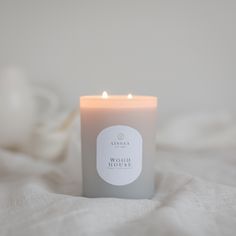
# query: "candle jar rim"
{"points": [[118, 101]]}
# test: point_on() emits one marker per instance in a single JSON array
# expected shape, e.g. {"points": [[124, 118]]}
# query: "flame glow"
{"points": [[130, 96], [104, 94]]}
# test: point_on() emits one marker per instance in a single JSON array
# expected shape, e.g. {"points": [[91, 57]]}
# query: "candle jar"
{"points": [[118, 146]]}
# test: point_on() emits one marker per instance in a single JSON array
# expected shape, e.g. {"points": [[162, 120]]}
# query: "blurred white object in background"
{"points": [[199, 131], [17, 108], [47, 103], [29, 118], [50, 139]]}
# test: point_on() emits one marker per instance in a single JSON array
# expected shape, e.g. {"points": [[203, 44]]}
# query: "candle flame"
{"points": [[130, 96], [104, 94]]}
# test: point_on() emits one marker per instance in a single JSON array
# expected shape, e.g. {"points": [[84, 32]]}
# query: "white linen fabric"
{"points": [[196, 191]]}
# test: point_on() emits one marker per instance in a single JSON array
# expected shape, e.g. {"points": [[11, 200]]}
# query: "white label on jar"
{"points": [[119, 154]]}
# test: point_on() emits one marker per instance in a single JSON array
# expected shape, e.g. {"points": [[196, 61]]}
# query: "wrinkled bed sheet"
{"points": [[195, 195]]}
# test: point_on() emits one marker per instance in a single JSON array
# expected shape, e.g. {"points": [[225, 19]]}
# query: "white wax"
{"points": [[126, 128]]}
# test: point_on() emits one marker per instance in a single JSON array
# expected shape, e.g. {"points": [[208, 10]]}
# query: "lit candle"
{"points": [[118, 145]]}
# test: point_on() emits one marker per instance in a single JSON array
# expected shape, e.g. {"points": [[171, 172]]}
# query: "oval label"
{"points": [[119, 154]]}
